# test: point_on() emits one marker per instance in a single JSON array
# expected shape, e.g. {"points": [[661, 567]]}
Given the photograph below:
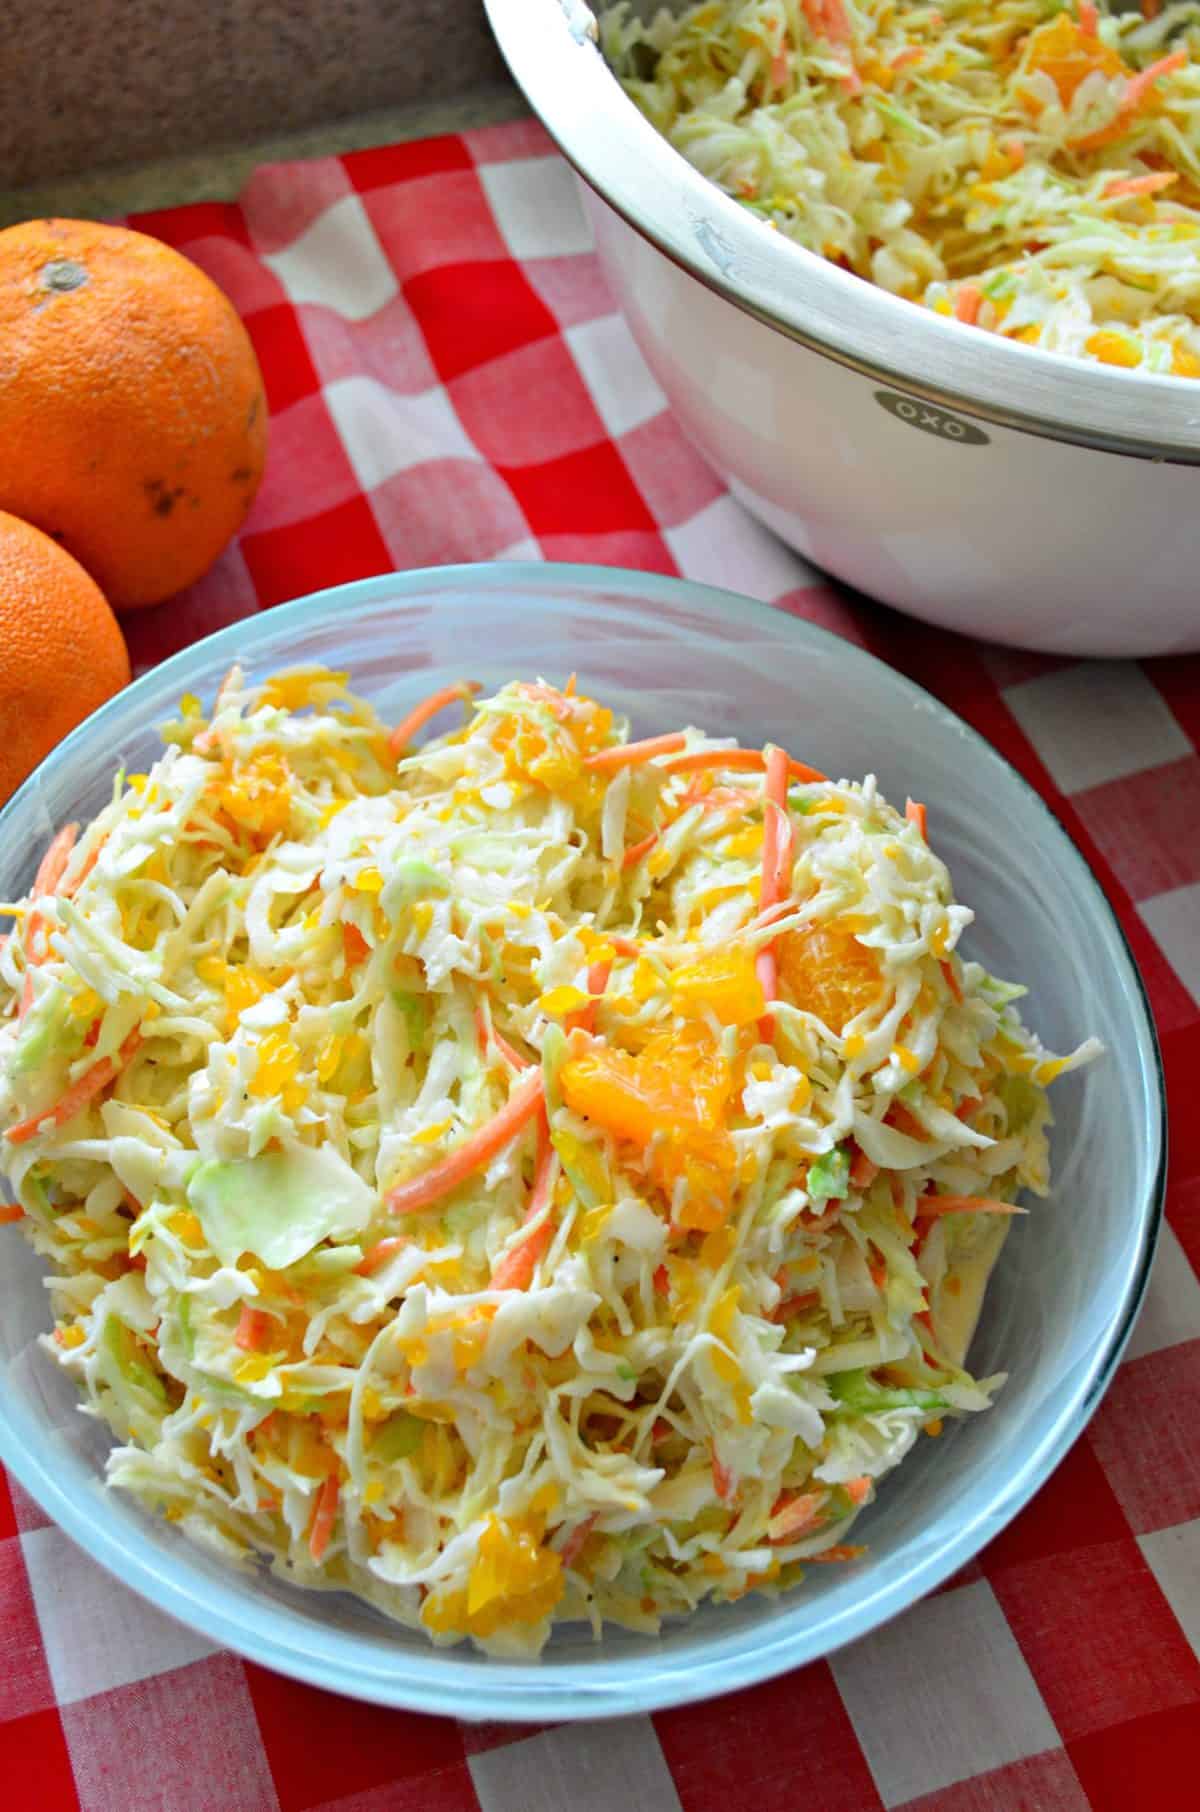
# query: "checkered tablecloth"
{"points": [[448, 381]]}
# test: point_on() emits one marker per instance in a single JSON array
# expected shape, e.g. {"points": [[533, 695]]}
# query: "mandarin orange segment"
{"points": [[1068, 56], [725, 984], [827, 972], [670, 1099]]}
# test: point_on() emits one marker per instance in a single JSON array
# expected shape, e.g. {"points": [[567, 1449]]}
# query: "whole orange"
{"points": [[61, 650], [133, 424]]}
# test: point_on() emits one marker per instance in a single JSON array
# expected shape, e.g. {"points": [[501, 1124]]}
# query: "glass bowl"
{"points": [[1062, 1299]]}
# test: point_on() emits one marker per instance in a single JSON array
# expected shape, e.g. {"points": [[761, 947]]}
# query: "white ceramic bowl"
{"points": [[998, 489], [1064, 1295]]}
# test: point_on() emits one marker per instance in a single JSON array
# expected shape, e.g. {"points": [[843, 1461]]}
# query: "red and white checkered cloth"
{"points": [[448, 381]]}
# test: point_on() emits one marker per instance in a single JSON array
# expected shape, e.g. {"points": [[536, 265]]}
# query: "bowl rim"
{"points": [[552, 50], [470, 1685]]}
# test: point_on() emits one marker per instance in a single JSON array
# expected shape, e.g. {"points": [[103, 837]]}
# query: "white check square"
{"points": [[337, 262], [609, 1767], [97, 1634], [384, 432], [723, 545], [1096, 721], [942, 1694], [536, 205], [615, 373], [1174, 920], [1173, 1556], [1171, 1311]]}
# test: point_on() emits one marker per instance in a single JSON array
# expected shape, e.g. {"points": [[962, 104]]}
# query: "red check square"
{"points": [[786, 1746], [1146, 1764], [35, 1764], [326, 549], [470, 313], [1098, 1636], [585, 493], [382, 166], [322, 1747]]}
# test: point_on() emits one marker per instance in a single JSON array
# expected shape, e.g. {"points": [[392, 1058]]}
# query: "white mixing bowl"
{"points": [[994, 488]]}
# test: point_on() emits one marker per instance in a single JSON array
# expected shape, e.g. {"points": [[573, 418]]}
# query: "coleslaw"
{"points": [[531, 1176], [1031, 167]]}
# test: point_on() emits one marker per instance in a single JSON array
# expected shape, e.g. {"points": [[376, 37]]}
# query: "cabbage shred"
{"points": [[1031, 166], [299, 975]]}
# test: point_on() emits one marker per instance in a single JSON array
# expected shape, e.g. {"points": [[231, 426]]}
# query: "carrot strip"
{"points": [[916, 814], [662, 1281], [1140, 185], [967, 304], [324, 1517], [795, 1514], [724, 1483], [951, 980], [858, 1490], [636, 851], [777, 852], [1089, 18], [9, 1212], [597, 980], [630, 754], [767, 971], [697, 760], [379, 1253], [572, 1547], [53, 865], [515, 1270], [421, 1192], [625, 946], [839, 1552], [420, 715], [963, 1204], [355, 947], [70, 888], [863, 1172], [1135, 92], [252, 1329], [93, 1082], [792, 1305]]}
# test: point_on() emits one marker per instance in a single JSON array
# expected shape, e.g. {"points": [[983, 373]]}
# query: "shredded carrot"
{"points": [[792, 1305], [951, 979], [662, 1281], [10, 1211], [1141, 185], [354, 945], [858, 1490], [573, 1546], [878, 1272], [324, 1517], [1089, 18], [796, 1513], [777, 854], [863, 1172], [379, 1253], [1136, 91], [252, 1329], [70, 888], [767, 970], [967, 304], [966, 1108], [597, 980], [53, 865], [421, 1192], [515, 1270], [420, 715], [724, 1483], [963, 1204], [93, 1082], [916, 814], [631, 754], [737, 760], [636, 851], [840, 1552], [906, 57], [624, 946], [1014, 149]]}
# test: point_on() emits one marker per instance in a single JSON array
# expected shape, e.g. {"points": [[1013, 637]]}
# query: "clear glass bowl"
{"points": [[1063, 1297]]}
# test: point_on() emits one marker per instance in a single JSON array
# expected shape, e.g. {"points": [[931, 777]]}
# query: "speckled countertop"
{"points": [[127, 104]]}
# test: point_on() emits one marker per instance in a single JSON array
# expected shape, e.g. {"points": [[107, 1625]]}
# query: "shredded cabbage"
{"points": [[460, 1190], [1030, 166]]}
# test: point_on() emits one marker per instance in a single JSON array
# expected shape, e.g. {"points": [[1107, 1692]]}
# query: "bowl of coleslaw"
{"points": [[919, 282], [226, 1000]]}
